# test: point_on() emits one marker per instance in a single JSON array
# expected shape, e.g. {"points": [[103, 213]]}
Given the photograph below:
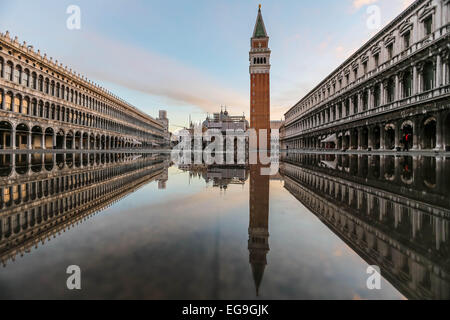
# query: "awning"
{"points": [[331, 138]]}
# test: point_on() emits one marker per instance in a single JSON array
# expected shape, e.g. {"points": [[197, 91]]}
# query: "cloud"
{"points": [[154, 74], [407, 3], [361, 3]]}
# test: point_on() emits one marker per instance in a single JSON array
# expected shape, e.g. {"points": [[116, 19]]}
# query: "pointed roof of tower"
{"points": [[260, 28], [258, 273]]}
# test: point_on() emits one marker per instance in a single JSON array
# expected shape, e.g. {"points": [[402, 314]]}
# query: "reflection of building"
{"points": [[397, 84], [43, 196], [44, 105], [392, 211], [258, 231], [260, 77], [220, 176]]}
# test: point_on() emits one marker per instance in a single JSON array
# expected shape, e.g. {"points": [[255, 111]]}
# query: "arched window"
{"points": [[41, 84], [1, 68], [8, 101], [34, 108], [365, 100], [47, 110], [34, 81], [407, 84], [25, 103], [41, 109], [265, 60], [355, 104], [17, 103], [9, 71], [428, 76], [377, 95], [47, 86], [17, 74], [1, 99], [391, 90], [25, 78]]}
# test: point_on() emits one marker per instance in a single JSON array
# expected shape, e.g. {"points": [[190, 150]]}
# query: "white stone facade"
{"points": [[396, 85]]}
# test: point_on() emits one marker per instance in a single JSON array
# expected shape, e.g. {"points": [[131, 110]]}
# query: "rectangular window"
{"points": [[390, 51], [407, 40], [428, 25], [365, 67], [376, 96], [376, 59]]}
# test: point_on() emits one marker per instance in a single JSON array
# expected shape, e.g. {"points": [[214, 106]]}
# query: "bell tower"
{"points": [[260, 77]]}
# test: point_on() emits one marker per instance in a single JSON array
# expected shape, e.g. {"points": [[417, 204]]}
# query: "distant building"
{"points": [[276, 125], [223, 122], [165, 122]]}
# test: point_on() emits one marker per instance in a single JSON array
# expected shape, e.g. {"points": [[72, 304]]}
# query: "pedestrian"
{"points": [[407, 142]]}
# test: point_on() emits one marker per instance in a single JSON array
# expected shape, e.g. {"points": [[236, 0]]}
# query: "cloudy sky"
{"points": [[191, 57]]}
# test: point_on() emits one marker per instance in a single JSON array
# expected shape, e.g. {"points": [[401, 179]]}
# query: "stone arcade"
{"points": [[44, 105], [397, 84]]}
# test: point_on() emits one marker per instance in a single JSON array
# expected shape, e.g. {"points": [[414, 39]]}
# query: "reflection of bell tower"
{"points": [[258, 231]]}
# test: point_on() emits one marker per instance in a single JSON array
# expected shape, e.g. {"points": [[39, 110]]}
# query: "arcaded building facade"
{"points": [[43, 195], [394, 92], [44, 105], [392, 211]]}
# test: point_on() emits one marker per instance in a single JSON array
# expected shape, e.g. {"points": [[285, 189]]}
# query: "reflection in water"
{"points": [[393, 211], [44, 194], [258, 231]]}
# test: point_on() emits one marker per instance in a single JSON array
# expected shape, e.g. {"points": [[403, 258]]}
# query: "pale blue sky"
{"points": [[191, 57]]}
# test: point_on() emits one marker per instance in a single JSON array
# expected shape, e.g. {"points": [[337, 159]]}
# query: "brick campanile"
{"points": [[260, 77]]}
